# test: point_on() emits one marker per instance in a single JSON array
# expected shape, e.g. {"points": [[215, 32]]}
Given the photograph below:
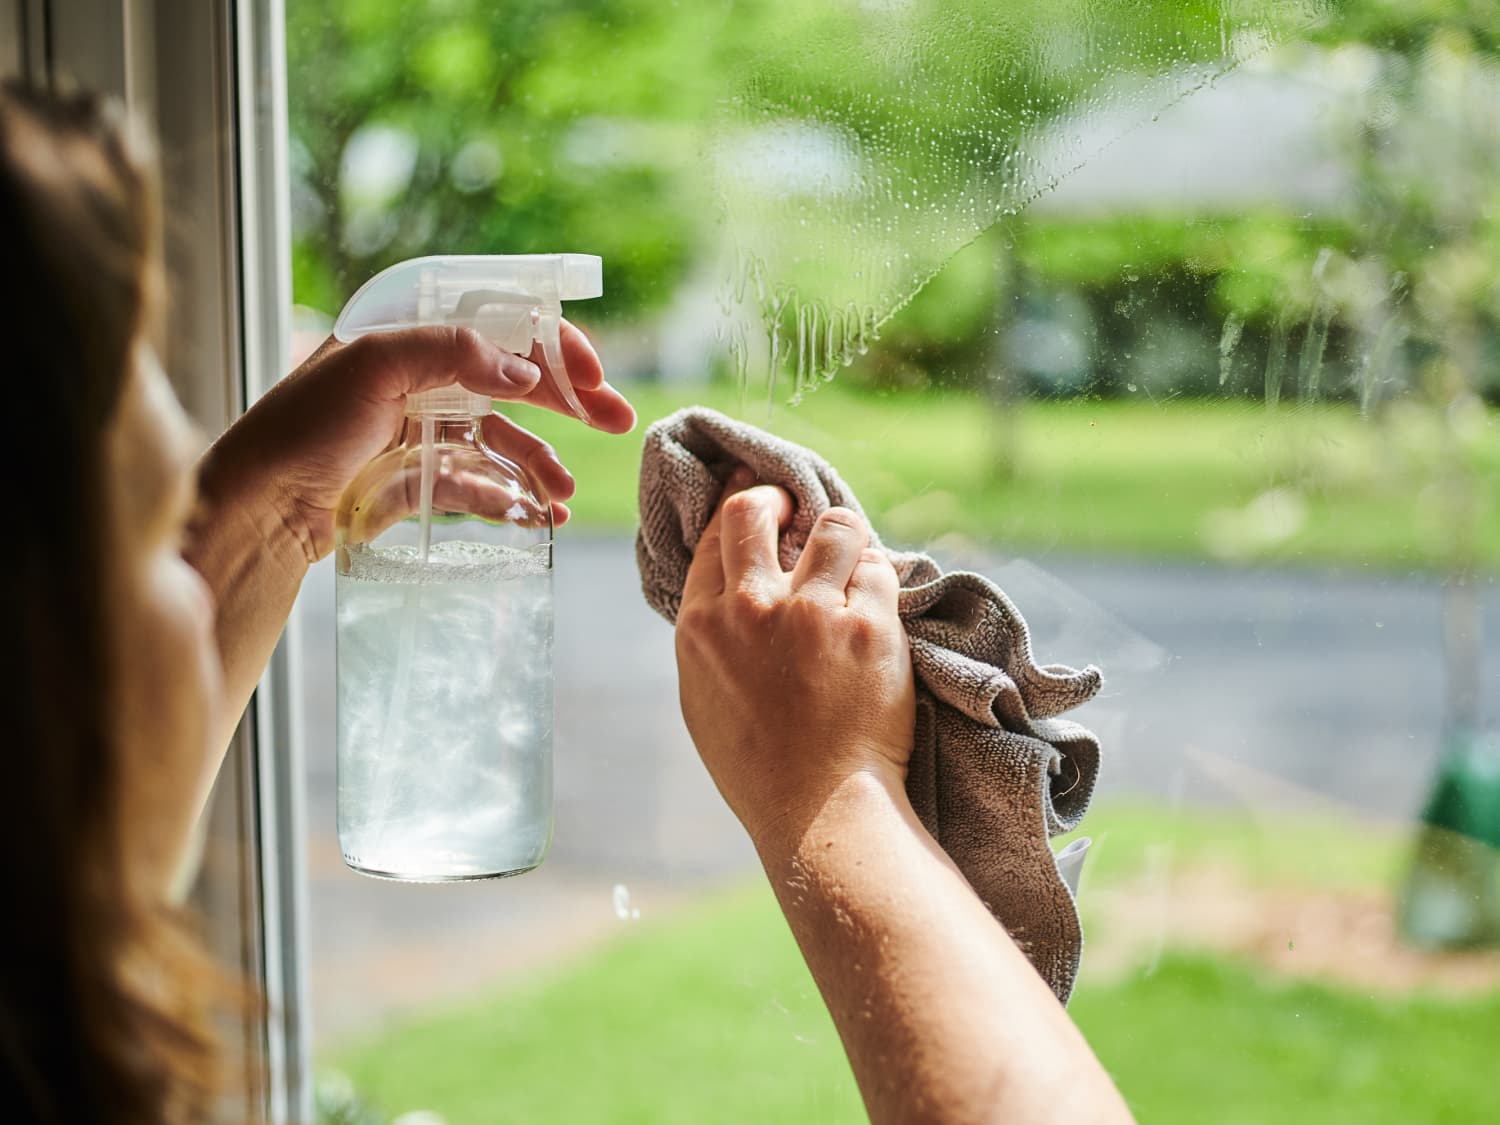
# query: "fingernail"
{"points": [[522, 371]]}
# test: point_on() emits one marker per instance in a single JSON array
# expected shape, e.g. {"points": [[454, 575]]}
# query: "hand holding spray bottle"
{"points": [[444, 579]]}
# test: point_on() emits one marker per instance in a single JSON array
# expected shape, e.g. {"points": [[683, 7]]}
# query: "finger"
{"points": [[479, 494], [531, 453], [400, 498], [390, 365], [585, 369], [832, 552], [741, 478], [705, 576], [874, 585], [750, 530], [607, 408]]}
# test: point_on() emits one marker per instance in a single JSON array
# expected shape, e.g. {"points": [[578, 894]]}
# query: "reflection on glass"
{"points": [[1179, 320]]}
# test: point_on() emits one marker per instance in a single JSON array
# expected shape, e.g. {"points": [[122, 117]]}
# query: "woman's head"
{"points": [[109, 678]]}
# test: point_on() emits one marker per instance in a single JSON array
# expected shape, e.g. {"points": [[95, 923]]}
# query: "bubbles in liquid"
{"points": [[861, 151], [449, 561], [444, 710]]}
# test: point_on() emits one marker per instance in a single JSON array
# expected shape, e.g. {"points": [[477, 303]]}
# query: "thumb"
{"points": [[391, 365]]}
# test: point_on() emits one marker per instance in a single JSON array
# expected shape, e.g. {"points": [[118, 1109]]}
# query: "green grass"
{"points": [[1330, 852], [1121, 477], [709, 1016], [1201, 1039], [706, 1016]]}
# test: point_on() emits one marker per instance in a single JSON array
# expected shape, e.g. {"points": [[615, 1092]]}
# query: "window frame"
{"points": [[209, 80]]}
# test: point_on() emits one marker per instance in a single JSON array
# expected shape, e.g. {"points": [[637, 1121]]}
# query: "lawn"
{"points": [[708, 1015], [1190, 478]]}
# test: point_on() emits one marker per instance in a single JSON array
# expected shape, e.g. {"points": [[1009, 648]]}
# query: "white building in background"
{"points": [[1264, 134]]}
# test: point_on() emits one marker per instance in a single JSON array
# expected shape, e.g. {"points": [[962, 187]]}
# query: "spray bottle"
{"points": [[444, 577]]}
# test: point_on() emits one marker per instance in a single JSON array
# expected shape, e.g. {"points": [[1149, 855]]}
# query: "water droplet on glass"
{"points": [[623, 910], [890, 179]]}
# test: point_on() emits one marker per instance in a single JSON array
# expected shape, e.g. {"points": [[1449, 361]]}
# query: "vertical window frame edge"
{"points": [[264, 242]]}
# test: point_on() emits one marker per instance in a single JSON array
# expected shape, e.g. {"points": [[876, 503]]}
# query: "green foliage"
{"points": [[498, 103], [1256, 265], [584, 125], [600, 109], [1407, 27]]}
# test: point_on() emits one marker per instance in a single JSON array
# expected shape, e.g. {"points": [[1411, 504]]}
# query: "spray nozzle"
{"points": [[514, 300]]}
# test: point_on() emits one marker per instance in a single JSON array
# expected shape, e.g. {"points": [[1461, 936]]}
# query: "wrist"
{"points": [[244, 523], [842, 808]]}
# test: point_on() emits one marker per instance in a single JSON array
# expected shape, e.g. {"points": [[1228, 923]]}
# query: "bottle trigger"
{"points": [[549, 332]]}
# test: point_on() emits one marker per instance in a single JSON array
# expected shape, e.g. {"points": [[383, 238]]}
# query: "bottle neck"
{"points": [[448, 428]]}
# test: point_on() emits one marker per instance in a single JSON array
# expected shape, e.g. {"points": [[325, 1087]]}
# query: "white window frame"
{"points": [[209, 77]]}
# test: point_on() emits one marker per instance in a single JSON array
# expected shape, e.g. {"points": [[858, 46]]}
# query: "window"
{"points": [[1177, 321]]}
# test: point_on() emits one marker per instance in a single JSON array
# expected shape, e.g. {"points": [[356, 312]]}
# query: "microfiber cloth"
{"points": [[994, 772]]}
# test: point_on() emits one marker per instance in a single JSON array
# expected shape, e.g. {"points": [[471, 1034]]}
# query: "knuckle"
{"points": [[365, 350], [747, 608], [807, 615], [842, 521], [472, 353], [867, 635], [691, 619], [467, 343], [696, 632], [740, 507]]}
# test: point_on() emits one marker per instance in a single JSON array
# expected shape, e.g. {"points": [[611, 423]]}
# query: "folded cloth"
{"points": [[994, 772]]}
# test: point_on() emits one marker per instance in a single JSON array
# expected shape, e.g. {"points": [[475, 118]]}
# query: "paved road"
{"points": [[1240, 687]]}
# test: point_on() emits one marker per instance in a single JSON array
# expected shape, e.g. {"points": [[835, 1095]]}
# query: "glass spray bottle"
{"points": [[444, 577]]}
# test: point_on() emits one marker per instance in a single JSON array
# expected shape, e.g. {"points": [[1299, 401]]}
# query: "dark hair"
{"points": [[103, 1016]]}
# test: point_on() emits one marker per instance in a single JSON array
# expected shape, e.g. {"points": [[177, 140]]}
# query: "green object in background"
{"points": [[1452, 895]]}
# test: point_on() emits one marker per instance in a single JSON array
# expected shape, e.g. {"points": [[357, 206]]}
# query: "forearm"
{"points": [[254, 564], [943, 1018]]}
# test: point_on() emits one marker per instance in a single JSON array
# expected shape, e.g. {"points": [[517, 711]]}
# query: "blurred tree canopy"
{"points": [[537, 125], [541, 125]]}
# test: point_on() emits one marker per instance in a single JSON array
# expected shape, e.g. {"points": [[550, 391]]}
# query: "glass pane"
{"points": [[1179, 321]]}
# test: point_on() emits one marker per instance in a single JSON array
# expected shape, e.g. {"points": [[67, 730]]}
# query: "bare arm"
{"points": [[798, 691], [254, 564], [942, 1017]]}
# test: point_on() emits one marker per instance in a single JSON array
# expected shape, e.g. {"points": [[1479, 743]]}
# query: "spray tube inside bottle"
{"points": [[444, 555]]}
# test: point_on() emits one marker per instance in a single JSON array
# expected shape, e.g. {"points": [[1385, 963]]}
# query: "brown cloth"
{"points": [[994, 773]]}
